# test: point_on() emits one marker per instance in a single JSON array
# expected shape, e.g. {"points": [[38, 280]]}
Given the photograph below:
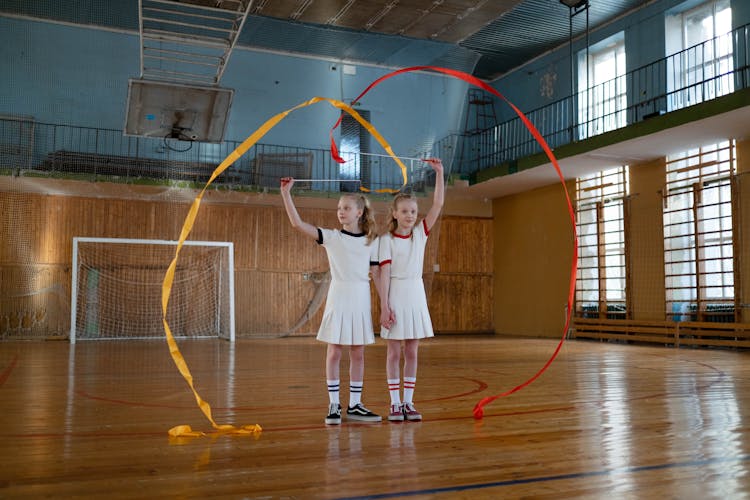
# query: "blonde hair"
{"points": [[367, 219], [393, 223]]}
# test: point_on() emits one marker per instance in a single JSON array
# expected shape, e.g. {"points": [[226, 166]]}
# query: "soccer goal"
{"points": [[116, 289]]}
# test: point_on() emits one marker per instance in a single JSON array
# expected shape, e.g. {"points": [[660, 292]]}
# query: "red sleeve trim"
{"points": [[385, 262], [426, 230]]}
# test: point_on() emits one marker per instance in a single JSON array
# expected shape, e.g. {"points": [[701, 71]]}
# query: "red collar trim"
{"points": [[402, 236]]}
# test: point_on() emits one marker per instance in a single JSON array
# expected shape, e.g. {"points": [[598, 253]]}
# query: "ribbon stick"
{"points": [[174, 350], [326, 180], [472, 80]]}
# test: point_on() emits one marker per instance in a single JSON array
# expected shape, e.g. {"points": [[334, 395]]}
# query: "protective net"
{"points": [[117, 284]]}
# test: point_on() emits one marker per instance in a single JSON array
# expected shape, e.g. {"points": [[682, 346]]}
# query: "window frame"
{"points": [[699, 68], [602, 239], [695, 227], [602, 99]]}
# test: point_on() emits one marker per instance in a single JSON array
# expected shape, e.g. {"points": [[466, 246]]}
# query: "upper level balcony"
{"points": [[693, 97]]}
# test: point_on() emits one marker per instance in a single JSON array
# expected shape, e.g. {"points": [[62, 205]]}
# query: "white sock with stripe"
{"points": [[355, 393], [333, 391], [394, 388], [409, 384]]}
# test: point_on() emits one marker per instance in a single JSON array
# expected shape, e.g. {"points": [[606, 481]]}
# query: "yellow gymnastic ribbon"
{"points": [[174, 350]]}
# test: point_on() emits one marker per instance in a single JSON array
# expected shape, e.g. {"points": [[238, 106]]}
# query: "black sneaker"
{"points": [[334, 414], [359, 412]]}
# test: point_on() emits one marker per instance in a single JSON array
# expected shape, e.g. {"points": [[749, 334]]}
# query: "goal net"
{"points": [[117, 288]]}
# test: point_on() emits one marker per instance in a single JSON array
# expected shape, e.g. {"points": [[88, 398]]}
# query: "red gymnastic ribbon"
{"points": [[479, 408]]}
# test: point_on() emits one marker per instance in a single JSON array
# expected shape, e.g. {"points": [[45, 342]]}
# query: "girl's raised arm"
{"points": [[291, 210], [439, 195]]}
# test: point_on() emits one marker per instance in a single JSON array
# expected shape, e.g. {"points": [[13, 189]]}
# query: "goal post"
{"points": [[116, 288]]}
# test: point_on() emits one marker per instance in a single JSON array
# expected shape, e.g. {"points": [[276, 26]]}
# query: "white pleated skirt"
{"points": [[347, 318], [408, 302]]}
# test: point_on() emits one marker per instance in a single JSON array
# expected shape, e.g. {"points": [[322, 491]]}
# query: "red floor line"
{"points": [[480, 387], [8, 369]]}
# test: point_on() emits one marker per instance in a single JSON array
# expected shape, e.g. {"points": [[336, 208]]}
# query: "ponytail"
{"points": [[367, 221]]}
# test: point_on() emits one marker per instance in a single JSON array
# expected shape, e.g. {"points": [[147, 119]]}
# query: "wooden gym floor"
{"points": [[604, 421]]}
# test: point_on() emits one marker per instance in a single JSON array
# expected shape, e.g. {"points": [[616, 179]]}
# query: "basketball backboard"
{"points": [[185, 112]]}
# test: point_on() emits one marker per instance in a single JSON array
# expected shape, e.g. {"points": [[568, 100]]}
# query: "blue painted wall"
{"points": [[60, 74], [409, 109], [78, 75]]}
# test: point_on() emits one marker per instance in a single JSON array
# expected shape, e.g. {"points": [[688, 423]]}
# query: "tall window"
{"points": [[600, 283], [602, 92], [698, 251], [700, 43]]}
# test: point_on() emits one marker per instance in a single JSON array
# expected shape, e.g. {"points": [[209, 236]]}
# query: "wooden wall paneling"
{"points": [[243, 232], [53, 239], [156, 219], [34, 301], [102, 218], [275, 283], [280, 246], [21, 218], [164, 220], [270, 303], [214, 222], [465, 245], [432, 250], [461, 303], [111, 218], [461, 292]]}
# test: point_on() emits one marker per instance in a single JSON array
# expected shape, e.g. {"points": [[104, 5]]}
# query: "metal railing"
{"points": [[42, 149], [703, 72]]}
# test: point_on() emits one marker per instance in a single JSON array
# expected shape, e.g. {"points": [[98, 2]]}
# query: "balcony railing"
{"points": [[32, 148], [703, 72]]}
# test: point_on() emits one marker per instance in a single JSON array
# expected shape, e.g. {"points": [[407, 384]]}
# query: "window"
{"points": [[601, 279], [700, 42], [698, 250], [602, 93]]}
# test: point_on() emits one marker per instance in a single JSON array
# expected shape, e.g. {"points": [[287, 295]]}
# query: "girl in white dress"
{"points": [[347, 320], [403, 304]]}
